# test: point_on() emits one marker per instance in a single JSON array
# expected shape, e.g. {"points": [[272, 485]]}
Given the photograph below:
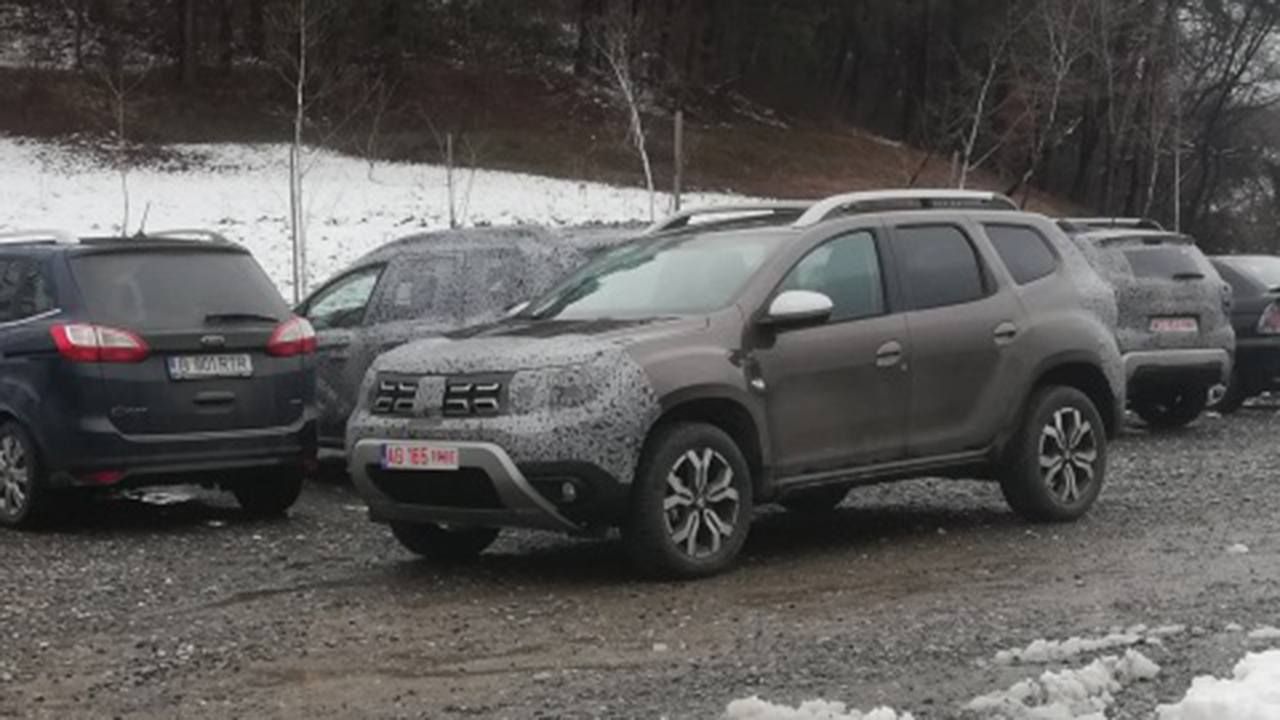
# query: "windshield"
{"points": [[682, 275], [1265, 270]]}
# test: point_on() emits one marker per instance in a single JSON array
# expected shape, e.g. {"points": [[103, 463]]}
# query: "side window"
{"points": [[1023, 250], [423, 287], [845, 269], [342, 304], [23, 290], [939, 266]]}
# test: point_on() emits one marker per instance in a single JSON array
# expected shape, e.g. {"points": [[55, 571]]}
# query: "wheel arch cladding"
{"points": [[1089, 379], [726, 413]]}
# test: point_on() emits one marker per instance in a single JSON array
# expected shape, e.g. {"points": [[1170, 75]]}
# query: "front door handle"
{"points": [[889, 354], [1005, 333]]}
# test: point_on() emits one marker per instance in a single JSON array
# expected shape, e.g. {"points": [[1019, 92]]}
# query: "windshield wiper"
{"points": [[240, 317]]}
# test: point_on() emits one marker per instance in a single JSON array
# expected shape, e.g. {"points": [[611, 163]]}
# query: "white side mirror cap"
{"points": [[798, 306]]}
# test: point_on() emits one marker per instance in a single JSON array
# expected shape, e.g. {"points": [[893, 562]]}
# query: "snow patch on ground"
{"points": [[1084, 692], [1044, 652], [753, 708], [1252, 693], [1238, 549], [1265, 633], [242, 191]]}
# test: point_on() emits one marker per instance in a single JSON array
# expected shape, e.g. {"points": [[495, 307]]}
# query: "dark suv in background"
{"points": [[151, 360], [425, 285], [1255, 313], [784, 353]]}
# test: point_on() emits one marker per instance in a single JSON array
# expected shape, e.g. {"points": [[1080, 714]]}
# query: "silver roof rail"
{"points": [[682, 218], [926, 199], [1138, 223], [61, 237], [189, 234]]}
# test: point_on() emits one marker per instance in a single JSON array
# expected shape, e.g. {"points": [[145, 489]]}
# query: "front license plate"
{"points": [[419, 456], [1175, 325], [199, 367]]}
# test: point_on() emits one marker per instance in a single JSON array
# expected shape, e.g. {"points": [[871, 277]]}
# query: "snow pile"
{"points": [[753, 708], [1044, 652], [242, 191], [1265, 633], [1084, 692], [1253, 693]]}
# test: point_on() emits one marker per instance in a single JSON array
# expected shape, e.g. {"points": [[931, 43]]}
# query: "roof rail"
{"points": [[188, 234], [61, 237], [682, 218], [925, 199], [1136, 223]]}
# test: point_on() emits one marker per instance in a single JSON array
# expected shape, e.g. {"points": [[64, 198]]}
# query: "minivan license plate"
{"points": [[1175, 325], [199, 367], [419, 456]]}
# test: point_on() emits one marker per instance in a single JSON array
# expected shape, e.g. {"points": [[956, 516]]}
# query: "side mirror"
{"points": [[798, 306], [516, 309]]}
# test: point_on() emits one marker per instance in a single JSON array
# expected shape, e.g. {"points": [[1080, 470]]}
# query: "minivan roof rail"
{"points": [[1115, 222], [60, 237], [682, 218], [188, 234], [925, 199]]}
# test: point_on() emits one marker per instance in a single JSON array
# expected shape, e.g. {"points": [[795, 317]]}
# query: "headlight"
{"points": [[566, 386]]}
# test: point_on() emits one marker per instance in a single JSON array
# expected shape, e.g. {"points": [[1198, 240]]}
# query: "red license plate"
{"points": [[1175, 325], [419, 456]]}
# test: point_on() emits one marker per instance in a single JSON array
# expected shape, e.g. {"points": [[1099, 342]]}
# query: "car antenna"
{"points": [[142, 226]]}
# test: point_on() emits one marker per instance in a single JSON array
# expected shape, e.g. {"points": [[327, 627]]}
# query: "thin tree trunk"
{"points": [[226, 35], [188, 44]]}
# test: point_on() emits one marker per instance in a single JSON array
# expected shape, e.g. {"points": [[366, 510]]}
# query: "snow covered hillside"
{"points": [[242, 192]]}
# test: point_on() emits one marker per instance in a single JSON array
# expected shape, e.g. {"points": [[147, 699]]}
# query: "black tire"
{"points": [[1054, 493], [1233, 397], [1173, 408], [269, 494], [442, 544], [816, 501], [702, 533], [24, 495]]}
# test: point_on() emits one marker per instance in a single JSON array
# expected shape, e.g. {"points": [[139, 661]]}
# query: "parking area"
{"points": [[174, 605]]}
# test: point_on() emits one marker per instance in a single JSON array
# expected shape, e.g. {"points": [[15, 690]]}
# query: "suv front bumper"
{"points": [[1211, 366], [397, 496]]}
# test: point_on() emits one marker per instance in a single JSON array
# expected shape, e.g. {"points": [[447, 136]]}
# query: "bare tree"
{"points": [[618, 54]]}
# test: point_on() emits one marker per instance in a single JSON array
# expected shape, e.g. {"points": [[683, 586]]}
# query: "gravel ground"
{"points": [[902, 597]]}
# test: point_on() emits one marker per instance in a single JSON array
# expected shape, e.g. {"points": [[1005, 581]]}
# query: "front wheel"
{"points": [[1171, 409], [691, 505], [269, 494], [443, 544], [1058, 459]]}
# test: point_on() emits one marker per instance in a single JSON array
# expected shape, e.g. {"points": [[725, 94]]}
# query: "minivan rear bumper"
{"points": [[97, 447]]}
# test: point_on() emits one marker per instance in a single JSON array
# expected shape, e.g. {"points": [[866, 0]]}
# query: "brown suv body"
{"points": [[914, 368]]}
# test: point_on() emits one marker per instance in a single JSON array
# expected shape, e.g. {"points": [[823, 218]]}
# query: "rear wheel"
{"points": [[444, 544], [691, 506], [1233, 397], [269, 494], [23, 497], [1172, 408], [1058, 459]]}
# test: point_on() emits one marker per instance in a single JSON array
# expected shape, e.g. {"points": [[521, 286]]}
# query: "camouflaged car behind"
{"points": [[785, 354]]}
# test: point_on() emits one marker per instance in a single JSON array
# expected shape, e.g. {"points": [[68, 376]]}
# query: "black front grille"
{"points": [[395, 396], [462, 488], [481, 396]]}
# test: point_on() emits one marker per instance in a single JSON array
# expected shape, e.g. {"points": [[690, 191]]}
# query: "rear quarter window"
{"points": [[1023, 250]]}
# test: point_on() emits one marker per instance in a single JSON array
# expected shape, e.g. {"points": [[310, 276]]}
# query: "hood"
{"points": [[520, 344]]}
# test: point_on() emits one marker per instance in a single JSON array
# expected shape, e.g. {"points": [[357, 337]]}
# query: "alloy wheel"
{"points": [[1068, 454], [15, 476], [700, 504]]}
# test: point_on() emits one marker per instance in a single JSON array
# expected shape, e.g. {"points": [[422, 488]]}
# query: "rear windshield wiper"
{"points": [[240, 317], [1188, 276]]}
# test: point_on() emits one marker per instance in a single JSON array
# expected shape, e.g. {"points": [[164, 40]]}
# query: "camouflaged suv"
{"points": [[737, 356]]}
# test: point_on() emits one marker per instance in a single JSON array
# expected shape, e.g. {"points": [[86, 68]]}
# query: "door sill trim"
{"points": [[881, 472]]}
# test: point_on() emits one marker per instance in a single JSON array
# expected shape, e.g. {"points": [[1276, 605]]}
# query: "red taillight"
{"points": [[1269, 323], [102, 477], [80, 342], [294, 337]]}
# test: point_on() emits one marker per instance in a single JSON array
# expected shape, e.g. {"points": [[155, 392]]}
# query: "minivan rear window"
{"points": [[174, 290]]}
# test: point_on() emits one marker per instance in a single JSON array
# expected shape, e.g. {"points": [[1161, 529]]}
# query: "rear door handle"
{"points": [[889, 354], [1005, 333]]}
